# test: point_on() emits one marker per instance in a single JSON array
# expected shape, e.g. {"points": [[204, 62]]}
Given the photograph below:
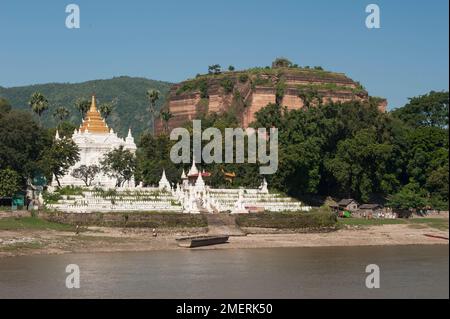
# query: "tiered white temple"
{"points": [[94, 140], [192, 196]]}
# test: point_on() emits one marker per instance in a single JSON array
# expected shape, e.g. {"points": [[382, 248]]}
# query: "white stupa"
{"points": [[164, 183], [193, 171], [94, 140], [184, 179], [199, 183]]}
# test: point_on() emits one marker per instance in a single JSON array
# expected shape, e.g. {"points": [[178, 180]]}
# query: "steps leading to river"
{"points": [[223, 224]]}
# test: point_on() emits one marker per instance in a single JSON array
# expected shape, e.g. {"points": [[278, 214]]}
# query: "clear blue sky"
{"points": [[173, 40]]}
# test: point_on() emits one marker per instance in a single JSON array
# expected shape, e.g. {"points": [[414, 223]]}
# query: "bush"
{"points": [[70, 190], [51, 198], [243, 78], [203, 88], [227, 85]]}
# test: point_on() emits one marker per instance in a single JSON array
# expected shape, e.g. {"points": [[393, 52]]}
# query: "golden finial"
{"points": [[93, 104]]}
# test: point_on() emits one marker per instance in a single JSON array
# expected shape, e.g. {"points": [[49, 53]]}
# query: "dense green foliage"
{"points": [[58, 158], [153, 155], [22, 143], [5, 106], [129, 93], [9, 182], [429, 110], [353, 150], [119, 164]]}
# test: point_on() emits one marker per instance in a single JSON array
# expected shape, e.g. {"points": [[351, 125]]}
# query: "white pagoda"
{"points": [[94, 140]]}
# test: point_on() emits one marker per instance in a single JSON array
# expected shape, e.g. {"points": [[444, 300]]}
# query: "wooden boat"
{"points": [[198, 241]]}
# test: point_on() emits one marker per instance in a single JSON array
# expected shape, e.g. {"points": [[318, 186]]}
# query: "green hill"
{"points": [[131, 109]]}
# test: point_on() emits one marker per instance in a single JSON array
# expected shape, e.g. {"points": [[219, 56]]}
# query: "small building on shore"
{"points": [[346, 204], [372, 208]]}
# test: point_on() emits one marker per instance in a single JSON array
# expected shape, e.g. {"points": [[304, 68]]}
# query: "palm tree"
{"points": [[82, 106], [107, 107], [61, 113], [39, 104], [166, 116], [153, 97]]}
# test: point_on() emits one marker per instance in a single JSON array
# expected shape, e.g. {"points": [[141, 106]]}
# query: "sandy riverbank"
{"points": [[102, 239]]}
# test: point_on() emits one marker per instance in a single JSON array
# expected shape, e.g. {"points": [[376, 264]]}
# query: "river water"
{"points": [[326, 272]]}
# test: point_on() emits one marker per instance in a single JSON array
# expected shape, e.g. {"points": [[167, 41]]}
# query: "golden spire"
{"points": [[93, 121], [93, 104]]}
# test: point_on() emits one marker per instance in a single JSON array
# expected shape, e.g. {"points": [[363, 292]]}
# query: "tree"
{"points": [[411, 196], [65, 129], [107, 107], [86, 173], [309, 141], [152, 97], [5, 106], [359, 165], [231, 68], [438, 185], [38, 104], [427, 151], [9, 182], [426, 110], [281, 63], [82, 105], [61, 113], [165, 117], [21, 143], [119, 164], [58, 158], [153, 155], [214, 69]]}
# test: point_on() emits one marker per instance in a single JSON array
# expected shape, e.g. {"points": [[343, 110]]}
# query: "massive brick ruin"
{"points": [[247, 92]]}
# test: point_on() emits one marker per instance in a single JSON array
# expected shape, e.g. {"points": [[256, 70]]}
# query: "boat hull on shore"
{"points": [[199, 241]]}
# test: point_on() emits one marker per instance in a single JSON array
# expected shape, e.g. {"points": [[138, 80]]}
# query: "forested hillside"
{"points": [[129, 93]]}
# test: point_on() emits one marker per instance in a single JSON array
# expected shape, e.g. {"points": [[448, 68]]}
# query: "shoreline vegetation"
{"points": [[56, 233]]}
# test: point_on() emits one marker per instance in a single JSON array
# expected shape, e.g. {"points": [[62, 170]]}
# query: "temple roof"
{"points": [[93, 121]]}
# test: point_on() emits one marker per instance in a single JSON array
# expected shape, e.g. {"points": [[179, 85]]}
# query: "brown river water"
{"points": [[325, 272]]}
